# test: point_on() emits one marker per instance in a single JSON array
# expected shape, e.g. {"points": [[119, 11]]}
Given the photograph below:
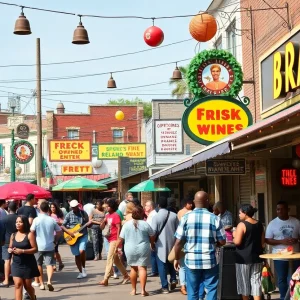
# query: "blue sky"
{"points": [[107, 36]]}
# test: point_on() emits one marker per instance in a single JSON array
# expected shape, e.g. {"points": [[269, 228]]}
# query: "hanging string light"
{"points": [[80, 36], [177, 74], [111, 84], [22, 26]]}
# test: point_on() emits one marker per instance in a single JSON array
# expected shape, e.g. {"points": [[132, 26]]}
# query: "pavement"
{"points": [[66, 286]]}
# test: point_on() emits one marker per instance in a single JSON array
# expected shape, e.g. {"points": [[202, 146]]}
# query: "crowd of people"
{"points": [[185, 243]]}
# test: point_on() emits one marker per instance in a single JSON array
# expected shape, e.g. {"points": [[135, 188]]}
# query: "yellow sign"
{"points": [[213, 118], [76, 170], [71, 150], [113, 151], [286, 68]]}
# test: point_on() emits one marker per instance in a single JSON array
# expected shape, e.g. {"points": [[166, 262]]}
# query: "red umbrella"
{"points": [[18, 190]]}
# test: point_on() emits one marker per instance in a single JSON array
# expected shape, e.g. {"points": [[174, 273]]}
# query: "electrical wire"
{"points": [[99, 58]]}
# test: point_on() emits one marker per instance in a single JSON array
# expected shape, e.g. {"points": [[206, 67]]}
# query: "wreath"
{"points": [[202, 57]]}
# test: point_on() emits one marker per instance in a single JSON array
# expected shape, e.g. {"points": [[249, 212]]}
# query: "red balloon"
{"points": [[153, 36]]}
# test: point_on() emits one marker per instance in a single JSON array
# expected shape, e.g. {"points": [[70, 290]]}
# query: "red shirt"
{"points": [[113, 220]]}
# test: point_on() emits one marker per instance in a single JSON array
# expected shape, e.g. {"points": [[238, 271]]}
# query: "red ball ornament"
{"points": [[153, 36]]}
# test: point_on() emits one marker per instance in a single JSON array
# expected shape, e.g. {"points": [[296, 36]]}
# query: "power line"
{"points": [[93, 74], [99, 58]]}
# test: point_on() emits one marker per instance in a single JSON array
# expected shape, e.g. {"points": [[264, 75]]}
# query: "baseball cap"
{"points": [[74, 203]]}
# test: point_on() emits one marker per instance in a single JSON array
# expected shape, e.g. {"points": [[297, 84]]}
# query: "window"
{"points": [[26, 168], [73, 134], [218, 43], [231, 39], [118, 136]]}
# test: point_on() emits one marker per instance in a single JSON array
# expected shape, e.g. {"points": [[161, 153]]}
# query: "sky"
{"points": [[108, 37]]}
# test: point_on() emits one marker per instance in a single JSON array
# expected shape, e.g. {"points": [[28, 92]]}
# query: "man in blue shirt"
{"points": [[200, 231], [44, 227]]}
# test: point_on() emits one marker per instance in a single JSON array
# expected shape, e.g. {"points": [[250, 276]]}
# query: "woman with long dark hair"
{"points": [[113, 221], [24, 267], [249, 239], [139, 238], [97, 217], [57, 214]]}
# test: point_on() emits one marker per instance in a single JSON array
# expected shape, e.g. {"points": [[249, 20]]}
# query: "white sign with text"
{"points": [[168, 136]]}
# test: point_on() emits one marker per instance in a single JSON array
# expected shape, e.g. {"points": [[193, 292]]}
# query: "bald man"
{"points": [[200, 232]]}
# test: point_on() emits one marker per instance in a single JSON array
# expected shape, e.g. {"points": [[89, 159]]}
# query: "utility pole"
{"points": [[38, 113], [119, 178]]}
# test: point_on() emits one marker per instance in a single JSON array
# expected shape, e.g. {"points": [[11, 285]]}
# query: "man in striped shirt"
{"points": [[200, 231]]}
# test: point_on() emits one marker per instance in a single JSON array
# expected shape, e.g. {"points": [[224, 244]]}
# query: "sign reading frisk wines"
{"points": [[225, 167], [212, 118]]}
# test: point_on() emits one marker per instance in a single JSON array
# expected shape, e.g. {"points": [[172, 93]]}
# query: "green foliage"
{"points": [[146, 105], [200, 58], [181, 89]]}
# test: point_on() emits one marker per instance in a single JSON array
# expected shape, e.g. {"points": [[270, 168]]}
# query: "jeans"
{"points": [[163, 270], [154, 269], [197, 277], [283, 276], [182, 276]]}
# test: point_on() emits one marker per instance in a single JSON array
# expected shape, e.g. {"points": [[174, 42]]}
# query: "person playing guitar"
{"points": [[74, 218]]}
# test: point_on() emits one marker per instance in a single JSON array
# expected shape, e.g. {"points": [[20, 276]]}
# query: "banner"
{"points": [[69, 150], [113, 151]]}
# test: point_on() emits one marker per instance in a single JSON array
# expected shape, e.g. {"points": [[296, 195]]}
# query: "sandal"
{"points": [[103, 283], [126, 280], [132, 293], [145, 294], [3, 285]]}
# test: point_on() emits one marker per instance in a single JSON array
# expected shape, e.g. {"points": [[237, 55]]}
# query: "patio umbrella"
{"points": [[18, 190], [148, 186], [79, 184]]}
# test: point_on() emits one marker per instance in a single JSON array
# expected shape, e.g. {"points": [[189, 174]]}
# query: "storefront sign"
{"points": [[289, 177], [23, 131], [283, 65], [71, 150], [214, 72], [212, 118], [168, 136], [23, 152], [113, 151], [132, 165], [76, 170], [225, 167]]}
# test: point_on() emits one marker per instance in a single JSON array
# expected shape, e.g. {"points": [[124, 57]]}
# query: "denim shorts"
{"points": [[80, 245], [5, 254]]}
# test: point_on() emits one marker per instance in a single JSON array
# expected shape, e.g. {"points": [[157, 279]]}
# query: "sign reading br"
{"points": [[70, 150], [213, 118]]}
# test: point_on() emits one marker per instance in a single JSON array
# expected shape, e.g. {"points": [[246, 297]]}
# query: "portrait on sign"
{"points": [[215, 77]]}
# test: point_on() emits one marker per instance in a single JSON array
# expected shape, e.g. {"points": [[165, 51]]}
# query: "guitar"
{"points": [[76, 230]]}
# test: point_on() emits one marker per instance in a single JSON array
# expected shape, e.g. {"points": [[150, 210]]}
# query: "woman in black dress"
{"points": [[24, 267]]}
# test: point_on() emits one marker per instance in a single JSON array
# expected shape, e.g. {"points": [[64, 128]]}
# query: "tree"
{"points": [[146, 105], [181, 89]]}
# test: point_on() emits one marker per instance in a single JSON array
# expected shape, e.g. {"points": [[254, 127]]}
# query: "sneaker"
{"points": [[115, 276], [35, 284], [61, 267], [80, 276], [165, 291], [84, 274], [173, 285], [26, 296]]}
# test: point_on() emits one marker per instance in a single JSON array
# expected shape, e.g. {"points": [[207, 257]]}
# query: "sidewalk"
{"points": [[68, 287]]}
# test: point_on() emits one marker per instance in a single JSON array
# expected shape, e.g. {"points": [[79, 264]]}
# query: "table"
{"points": [[289, 257]]}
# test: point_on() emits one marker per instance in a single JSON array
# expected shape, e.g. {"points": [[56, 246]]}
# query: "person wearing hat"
{"points": [[74, 217]]}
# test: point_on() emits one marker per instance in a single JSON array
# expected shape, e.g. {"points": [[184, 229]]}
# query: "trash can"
{"points": [[227, 275]]}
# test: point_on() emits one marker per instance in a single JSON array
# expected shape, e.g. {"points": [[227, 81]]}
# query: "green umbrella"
{"points": [[79, 184], [148, 186]]}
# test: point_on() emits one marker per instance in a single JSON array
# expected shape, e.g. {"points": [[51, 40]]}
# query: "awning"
{"points": [[224, 146], [60, 178]]}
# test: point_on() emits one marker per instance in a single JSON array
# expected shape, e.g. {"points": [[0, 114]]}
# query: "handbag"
{"points": [[171, 256], [106, 231]]}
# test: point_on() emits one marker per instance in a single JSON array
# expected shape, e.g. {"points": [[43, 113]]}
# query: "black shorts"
{"points": [[5, 254]]}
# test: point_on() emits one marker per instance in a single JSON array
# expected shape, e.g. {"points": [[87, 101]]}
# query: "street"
{"points": [[68, 287]]}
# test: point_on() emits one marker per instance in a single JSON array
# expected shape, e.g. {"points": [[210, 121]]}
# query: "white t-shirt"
{"points": [[88, 208], [150, 217], [122, 207], [282, 229]]}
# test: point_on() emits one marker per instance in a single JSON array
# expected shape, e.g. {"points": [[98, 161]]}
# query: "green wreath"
{"points": [[205, 55]]}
